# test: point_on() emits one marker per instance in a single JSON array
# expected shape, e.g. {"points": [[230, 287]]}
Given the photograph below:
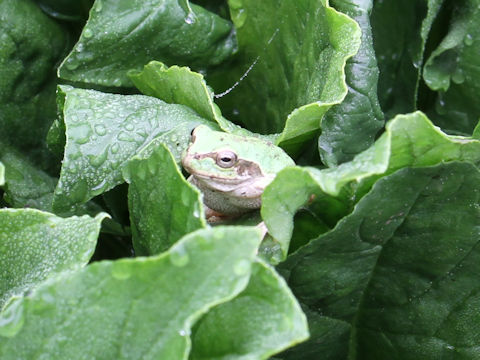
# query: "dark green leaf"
{"points": [[30, 46], [104, 131], [453, 70], [396, 279], [163, 205], [409, 140], [350, 127], [35, 245], [122, 35], [25, 184], [262, 320], [401, 29], [139, 308], [70, 10]]}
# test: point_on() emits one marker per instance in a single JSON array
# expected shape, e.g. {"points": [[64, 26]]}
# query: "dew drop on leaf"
{"points": [[87, 33], [11, 319], [241, 267], [179, 256], [100, 129]]}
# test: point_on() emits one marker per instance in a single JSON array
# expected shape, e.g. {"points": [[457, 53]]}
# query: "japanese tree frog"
{"points": [[231, 170]]}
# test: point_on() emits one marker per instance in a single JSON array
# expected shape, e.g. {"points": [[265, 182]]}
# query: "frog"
{"points": [[231, 170]]}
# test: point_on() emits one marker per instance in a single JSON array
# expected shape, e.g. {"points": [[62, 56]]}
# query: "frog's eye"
{"points": [[226, 159]]}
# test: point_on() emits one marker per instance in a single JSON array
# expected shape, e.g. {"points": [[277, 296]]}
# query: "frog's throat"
{"points": [[248, 188]]}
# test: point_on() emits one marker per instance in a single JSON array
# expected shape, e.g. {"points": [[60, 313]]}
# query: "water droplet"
{"points": [[241, 267], [190, 19], [239, 17], [71, 64], [117, 82], [129, 127], [458, 77], [98, 6], [196, 212], [82, 134], [79, 47], [87, 33], [98, 160], [182, 332], [11, 319], [179, 256], [121, 270], [468, 40], [100, 129], [114, 148], [98, 189]]}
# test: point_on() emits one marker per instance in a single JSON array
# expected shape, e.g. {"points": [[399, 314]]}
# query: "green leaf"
{"points": [[180, 85], [409, 140], [351, 126], [262, 320], [30, 46], [401, 30], [34, 245], [70, 10], [298, 79], [454, 70], [132, 308], [163, 205], [25, 184], [104, 131], [2, 174], [396, 279], [122, 35]]}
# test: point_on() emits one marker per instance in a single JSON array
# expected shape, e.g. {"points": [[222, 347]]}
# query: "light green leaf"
{"points": [[351, 126], [180, 85], [453, 69], [34, 245], [31, 44], [262, 320], [163, 205], [103, 131], [139, 308], [409, 140], [298, 79], [396, 279], [122, 35]]}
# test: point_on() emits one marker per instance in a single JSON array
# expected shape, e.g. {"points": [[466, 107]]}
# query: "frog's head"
{"points": [[225, 161]]}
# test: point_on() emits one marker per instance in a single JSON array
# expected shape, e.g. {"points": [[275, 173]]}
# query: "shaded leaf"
{"points": [[453, 70], [396, 279], [131, 308], [34, 245], [151, 30], [30, 45], [351, 126], [163, 205]]}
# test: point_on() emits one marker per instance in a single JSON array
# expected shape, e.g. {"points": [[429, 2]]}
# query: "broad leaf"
{"points": [[122, 35], [409, 140], [401, 30], [453, 70], [34, 245], [131, 308], [262, 320], [30, 45], [25, 184], [163, 205], [103, 131], [351, 126], [180, 85], [296, 65], [396, 279]]}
